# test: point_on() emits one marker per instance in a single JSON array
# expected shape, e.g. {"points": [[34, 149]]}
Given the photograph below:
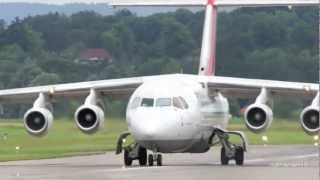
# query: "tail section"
{"points": [[208, 49]]}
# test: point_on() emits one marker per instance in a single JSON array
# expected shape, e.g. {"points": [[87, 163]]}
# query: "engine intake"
{"points": [[309, 120], [258, 117], [90, 116], [38, 121]]}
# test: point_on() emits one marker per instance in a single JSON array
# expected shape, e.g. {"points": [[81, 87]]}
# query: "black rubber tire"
{"points": [[224, 157], [127, 159], [150, 160], [142, 156], [239, 156], [159, 160]]}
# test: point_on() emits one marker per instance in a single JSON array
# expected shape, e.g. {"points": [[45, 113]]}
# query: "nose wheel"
{"points": [[155, 158], [136, 153]]}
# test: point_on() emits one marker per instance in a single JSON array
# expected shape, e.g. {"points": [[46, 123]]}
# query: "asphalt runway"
{"points": [[262, 163]]}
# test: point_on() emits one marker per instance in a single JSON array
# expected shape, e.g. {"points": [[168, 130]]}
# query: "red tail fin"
{"points": [[208, 49]]}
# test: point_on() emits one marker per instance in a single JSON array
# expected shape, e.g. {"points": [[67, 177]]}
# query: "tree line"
{"points": [[268, 43]]}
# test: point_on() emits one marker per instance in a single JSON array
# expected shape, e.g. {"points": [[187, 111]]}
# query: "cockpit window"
{"points": [[147, 102], [184, 103], [162, 102], [135, 102], [180, 102]]}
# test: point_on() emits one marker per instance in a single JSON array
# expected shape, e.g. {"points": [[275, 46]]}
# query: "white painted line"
{"points": [[254, 160], [282, 158], [138, 168]]}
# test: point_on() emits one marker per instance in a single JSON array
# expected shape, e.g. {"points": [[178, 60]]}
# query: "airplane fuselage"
{"points": [[175, 115]]}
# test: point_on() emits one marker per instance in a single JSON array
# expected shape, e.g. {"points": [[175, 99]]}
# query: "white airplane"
{"points": [[174, 113]]}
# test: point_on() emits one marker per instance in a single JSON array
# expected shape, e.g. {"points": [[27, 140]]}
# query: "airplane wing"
{"points": [[229, 86], [243, 87], [215, 2], [105, 87]]}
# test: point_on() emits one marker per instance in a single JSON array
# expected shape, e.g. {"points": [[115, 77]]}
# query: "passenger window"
{"points": [[147, 102], [162, 102], [135, 103], [180, 102]]}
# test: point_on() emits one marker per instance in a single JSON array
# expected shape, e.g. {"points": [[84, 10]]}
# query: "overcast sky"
{"points": [[57, 1]]}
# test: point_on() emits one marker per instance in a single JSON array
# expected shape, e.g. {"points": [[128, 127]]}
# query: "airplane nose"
{"points": [[149, 131], [148, 127]]}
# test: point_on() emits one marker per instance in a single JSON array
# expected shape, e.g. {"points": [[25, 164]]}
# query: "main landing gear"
{"points": [[136, 152], [231, 151], [155, 158]]}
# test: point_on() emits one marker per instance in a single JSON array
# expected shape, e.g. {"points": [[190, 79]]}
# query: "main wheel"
{"points": [[150, 160], [239, 155], [127, 159], [224, 157], [159, 160], [142, 156]]}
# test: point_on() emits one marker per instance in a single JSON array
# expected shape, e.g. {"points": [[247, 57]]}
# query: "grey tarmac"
{"points": [[294, 162]]}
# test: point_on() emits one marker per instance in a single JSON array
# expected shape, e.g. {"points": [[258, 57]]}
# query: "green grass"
{"points": [[280, 132], [64, 139]]}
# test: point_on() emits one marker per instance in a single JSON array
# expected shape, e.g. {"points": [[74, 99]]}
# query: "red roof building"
{"points": [[95, 55]]}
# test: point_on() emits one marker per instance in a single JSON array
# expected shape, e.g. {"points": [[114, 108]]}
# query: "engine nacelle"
{"points": [[90, 116], [258, 117], [309, 119], [38, 121]]}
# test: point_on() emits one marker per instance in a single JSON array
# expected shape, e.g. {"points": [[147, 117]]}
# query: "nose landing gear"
{"points": [[136, 152]]}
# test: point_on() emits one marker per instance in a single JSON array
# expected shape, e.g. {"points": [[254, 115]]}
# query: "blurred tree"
{"points": [[45, 79]]}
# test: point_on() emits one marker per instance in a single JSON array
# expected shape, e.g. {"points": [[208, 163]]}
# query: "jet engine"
{"points": [[39, 119], [90, 116], [258, 116], [309, 117]]}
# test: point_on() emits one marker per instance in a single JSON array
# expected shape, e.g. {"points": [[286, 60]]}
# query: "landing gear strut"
{"points": [[136, 152], [231, 151]]}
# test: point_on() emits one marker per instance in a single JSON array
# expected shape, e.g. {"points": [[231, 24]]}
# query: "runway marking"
{"points": [[138, 168], [134, 168], [282, 158], [305, 156], [254, 160]]}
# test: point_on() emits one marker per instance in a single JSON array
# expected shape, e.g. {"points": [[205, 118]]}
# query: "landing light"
{"points": [[316, 144], [265, 138], [316, 137], [52, 90]]}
